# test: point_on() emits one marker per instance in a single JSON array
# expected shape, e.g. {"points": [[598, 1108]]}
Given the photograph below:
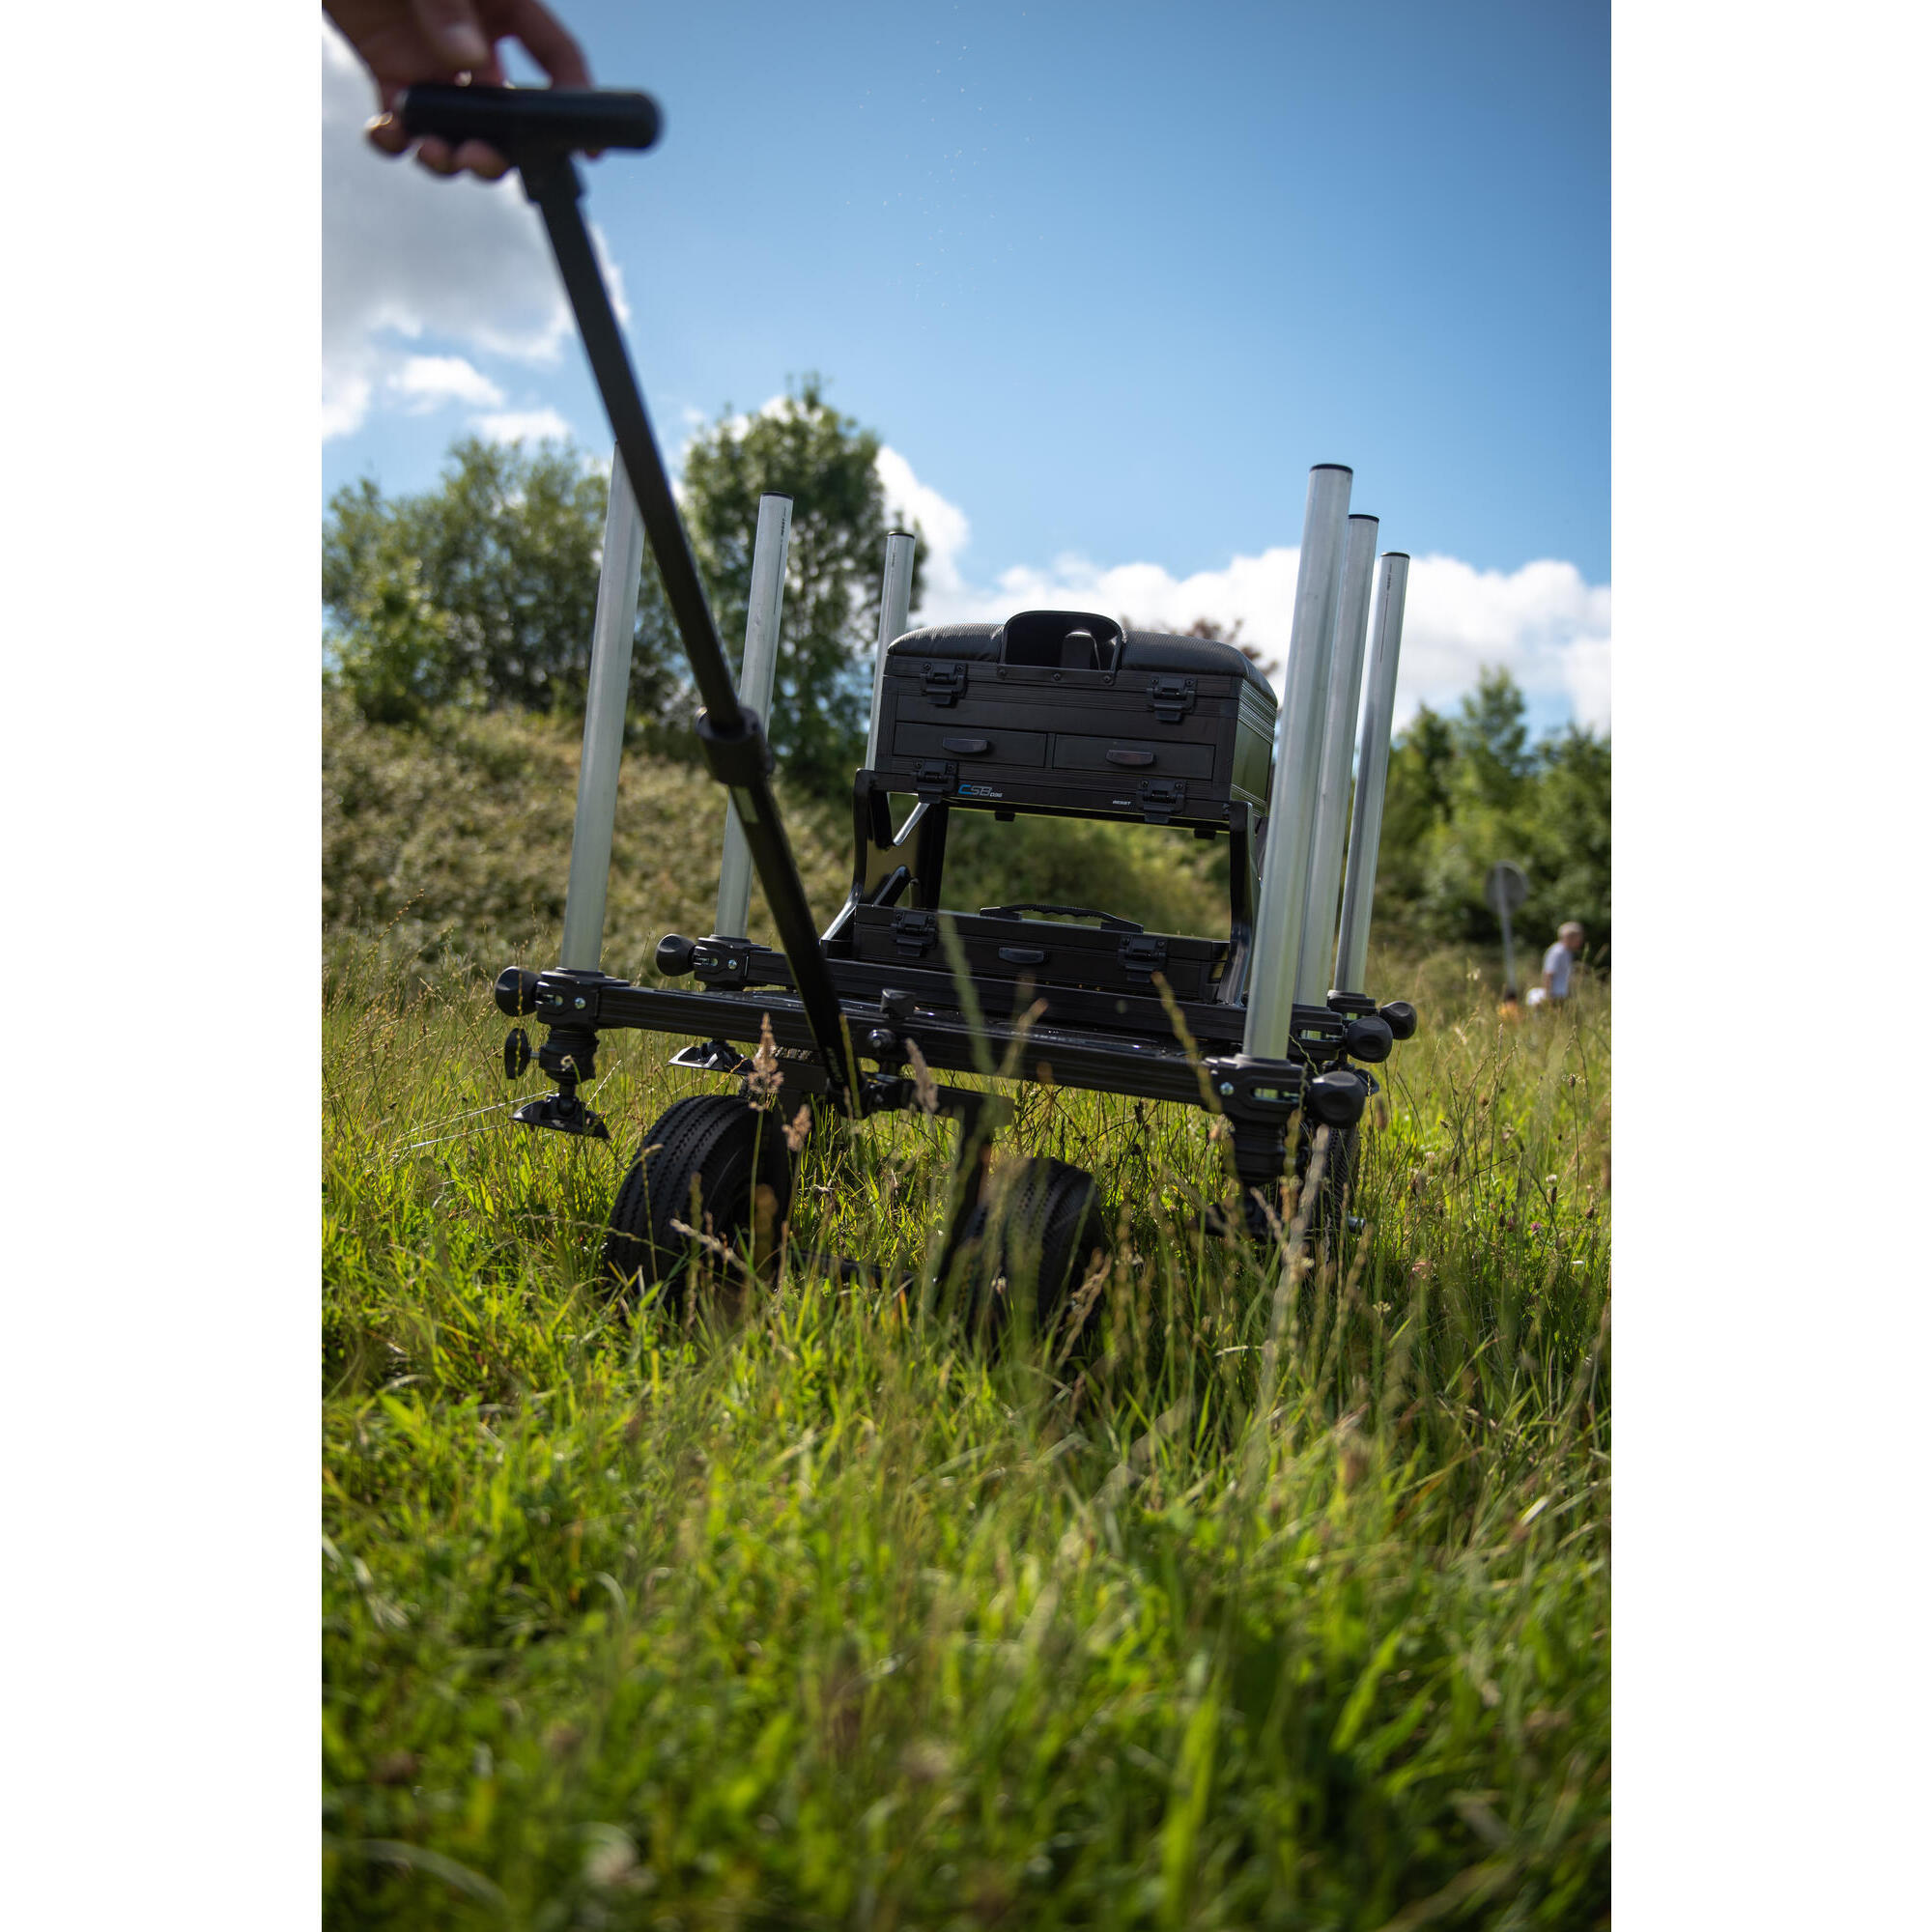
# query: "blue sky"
{"points": [[1107, 280]]}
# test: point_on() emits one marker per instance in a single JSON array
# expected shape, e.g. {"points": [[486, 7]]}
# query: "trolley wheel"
{"points": [[733, 1159], [1034, 1233]]}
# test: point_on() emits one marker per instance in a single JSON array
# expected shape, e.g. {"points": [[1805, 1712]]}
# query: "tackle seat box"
{"points": [[1115, 955], [1065, 711]]}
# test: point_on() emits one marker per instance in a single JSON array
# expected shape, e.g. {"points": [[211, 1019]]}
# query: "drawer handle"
{"points": [[1023, 955], [1118, 757], [967, 748]]}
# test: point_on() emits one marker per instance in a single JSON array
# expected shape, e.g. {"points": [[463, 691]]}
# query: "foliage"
{"points": [[1468, 790], [452, 839], [1288, 1608], [803, 449], [482, 589]]}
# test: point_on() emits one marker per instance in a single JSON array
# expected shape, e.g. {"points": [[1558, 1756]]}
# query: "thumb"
{"points": [[451, 28]]}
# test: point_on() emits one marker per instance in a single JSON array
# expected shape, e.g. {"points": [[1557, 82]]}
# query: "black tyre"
{"points": [[1031, 1243], [711, 1163]]}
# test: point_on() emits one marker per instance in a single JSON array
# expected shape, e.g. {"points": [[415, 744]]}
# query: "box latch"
{"points": [[933, 777], [1143, 955], [915, 933], [1161, 799], [1170, 699], [941, 683]]}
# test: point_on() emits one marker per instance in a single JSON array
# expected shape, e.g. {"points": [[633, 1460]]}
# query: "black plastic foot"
{"points": [[562, 1114]]}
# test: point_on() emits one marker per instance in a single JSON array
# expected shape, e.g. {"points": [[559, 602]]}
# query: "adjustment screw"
{"points": [[580, 1005], [1227, 1087]]}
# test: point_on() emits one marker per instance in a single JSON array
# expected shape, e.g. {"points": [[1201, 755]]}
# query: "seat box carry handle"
{"points": [[1122, 755], [1111, 922], [1170, 699]]}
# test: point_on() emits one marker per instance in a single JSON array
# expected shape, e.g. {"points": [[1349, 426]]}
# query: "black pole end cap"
{"points": [[676, 954]]}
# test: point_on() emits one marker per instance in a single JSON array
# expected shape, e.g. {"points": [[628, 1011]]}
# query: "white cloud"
{"points": [[942, 525], [408, 259], [1543, 623], [523, 426], [425, 382]]}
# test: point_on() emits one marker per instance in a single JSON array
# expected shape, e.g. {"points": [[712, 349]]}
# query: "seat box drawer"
{"points": [[987, 744], [1114, 756]]}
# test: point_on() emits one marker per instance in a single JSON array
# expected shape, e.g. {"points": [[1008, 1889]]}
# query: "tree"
{"points": [[1466, 791], [1492, 739], [481, 590], [827, 464]]}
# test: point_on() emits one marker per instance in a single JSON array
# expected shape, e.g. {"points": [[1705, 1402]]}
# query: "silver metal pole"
{"points": [[1338, 755], [769, 552], [894, 606], [605, 704], [1297, 744], [1365, 835]]}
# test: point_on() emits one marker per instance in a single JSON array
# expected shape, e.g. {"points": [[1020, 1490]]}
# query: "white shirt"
{"points": [[1556, 963]]}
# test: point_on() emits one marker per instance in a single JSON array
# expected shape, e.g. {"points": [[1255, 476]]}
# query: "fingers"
{"points": [[385, 131], [453, 31], [477, 159], [549, 43]]}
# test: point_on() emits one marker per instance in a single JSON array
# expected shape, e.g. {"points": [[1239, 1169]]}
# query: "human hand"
{"points": [[403, 41]]}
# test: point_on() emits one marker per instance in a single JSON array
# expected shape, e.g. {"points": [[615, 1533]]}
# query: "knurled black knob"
{"points": [[1399, 1018], [1370, 1038], [1337, 1098], [516, 991], [883, 1041], [676, 954]]}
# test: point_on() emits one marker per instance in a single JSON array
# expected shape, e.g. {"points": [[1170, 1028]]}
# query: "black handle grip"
{"points": [[519, 121], [1108, 919], [1121, 756]]}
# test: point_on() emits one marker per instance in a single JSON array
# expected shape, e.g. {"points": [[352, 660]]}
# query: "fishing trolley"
{"points": [[1059, 714]]}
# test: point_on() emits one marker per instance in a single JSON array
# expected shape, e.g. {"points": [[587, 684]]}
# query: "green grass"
{"points": [[1290, 1607]]}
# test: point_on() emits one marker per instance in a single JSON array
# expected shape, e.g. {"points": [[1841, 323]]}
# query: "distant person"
{"points": [[403, 41], [1557, 964]]}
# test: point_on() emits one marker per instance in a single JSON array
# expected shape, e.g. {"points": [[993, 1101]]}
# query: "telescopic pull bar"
{"points": [[1365, 835], [605, 704], [1297, 744], [755, 675], [730, 738], [894, 606], [1338, 753]]}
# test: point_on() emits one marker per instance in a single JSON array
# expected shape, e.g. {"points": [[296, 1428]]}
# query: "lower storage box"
{"points": [[1114, 956]]}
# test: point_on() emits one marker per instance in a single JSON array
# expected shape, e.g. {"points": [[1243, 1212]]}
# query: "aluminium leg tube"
{"points": [[894, 606], [1312, 980], [1278, 918], [607, 701], [762, 611], [1365, 835]]}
